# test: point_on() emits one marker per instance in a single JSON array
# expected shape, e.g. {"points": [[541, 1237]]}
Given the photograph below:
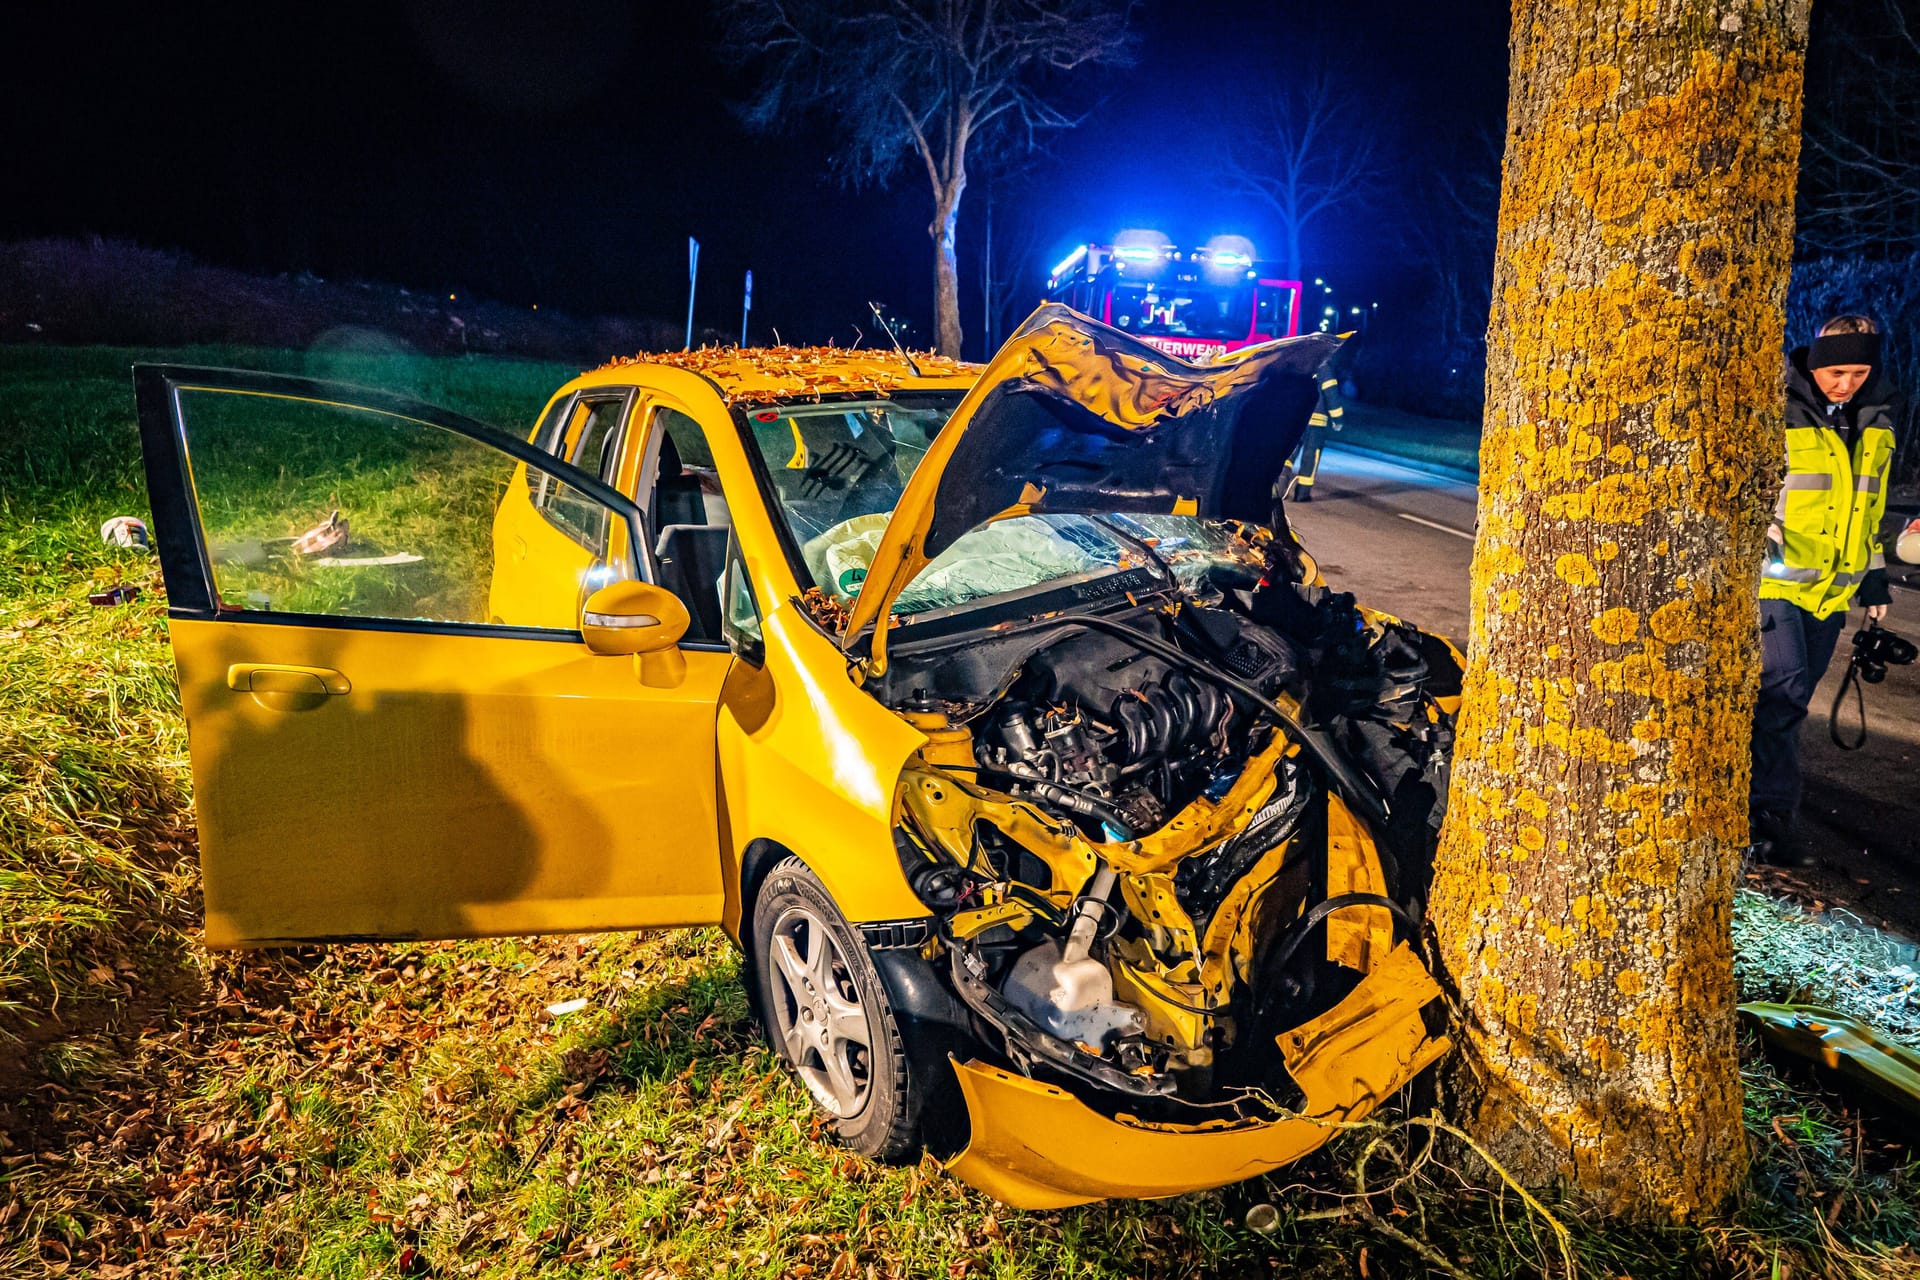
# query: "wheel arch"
{"points": [[757, 861], [933, 1021]]}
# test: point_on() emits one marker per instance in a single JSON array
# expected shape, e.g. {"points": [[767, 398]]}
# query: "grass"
{"points": [[95, 837], [94, 830], [385, 1110], [1448, 445], [416, 1110], [1783, 952]]}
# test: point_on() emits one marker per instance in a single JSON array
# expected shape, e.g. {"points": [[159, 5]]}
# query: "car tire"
{"points": [[818, 996]]}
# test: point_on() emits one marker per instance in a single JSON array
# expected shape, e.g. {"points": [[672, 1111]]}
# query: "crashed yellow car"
{"points": [[1065, 818]]}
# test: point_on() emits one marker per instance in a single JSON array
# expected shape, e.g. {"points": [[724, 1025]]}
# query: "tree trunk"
{"points": [[1584, 888], [946, 270], [1293, 251]]}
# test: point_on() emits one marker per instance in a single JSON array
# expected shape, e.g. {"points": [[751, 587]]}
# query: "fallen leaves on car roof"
{"points": [[762, 374]]}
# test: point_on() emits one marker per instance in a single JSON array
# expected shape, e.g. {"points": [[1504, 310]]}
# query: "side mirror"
{"points": [[632, 617]]}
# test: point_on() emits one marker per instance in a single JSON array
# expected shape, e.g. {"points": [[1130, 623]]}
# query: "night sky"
{"points": [[561, 153]]}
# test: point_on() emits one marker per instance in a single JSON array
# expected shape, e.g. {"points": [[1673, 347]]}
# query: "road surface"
{"points": [[1401, 540]]}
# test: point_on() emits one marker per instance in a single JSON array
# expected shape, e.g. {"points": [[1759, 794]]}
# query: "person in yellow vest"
{"points": [[1823, 554], [1328, 415]]}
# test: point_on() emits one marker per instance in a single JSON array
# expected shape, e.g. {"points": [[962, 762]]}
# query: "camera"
{"points": [[1875, 649]]}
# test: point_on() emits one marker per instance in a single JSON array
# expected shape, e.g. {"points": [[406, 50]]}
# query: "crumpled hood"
{"points": [[1072, 415]]}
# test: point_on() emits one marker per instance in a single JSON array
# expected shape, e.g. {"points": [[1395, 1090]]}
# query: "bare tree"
{"points": [[1862, 167], [1308, 149], [1450, 227], [940, 80]]}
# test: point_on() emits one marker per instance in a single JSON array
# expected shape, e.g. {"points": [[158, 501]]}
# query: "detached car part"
{"points": [[1866, 1059]]}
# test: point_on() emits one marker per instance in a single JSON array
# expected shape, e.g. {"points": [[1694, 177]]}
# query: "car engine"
{"points": [[1130, 826]]}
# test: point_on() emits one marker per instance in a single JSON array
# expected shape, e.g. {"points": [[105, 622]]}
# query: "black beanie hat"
{"points": [[1844, 348]]}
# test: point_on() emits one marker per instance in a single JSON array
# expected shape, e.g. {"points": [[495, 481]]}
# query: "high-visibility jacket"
{"points": [[1825, 537]]}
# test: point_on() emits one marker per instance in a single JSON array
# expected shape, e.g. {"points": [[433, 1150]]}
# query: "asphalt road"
{"points": [[1401, 540]]}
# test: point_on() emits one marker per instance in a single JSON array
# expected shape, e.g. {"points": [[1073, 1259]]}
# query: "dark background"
{"points": [[561, 153], [227, 173]]}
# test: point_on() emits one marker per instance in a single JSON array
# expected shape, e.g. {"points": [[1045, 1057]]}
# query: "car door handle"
{"points": [[275, 677]]}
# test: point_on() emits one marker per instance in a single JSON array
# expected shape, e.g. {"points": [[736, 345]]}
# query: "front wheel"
{"points": [[827, 1014]]}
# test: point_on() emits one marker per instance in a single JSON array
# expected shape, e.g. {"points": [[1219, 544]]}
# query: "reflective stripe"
{"points": [[1782, 573], [1820, 547], [1317, 420], [1336, 412], [1329, 383], [1808, 480]]}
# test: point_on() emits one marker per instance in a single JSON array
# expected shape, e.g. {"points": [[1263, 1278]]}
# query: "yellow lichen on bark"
{"points": [[1631, 435]]}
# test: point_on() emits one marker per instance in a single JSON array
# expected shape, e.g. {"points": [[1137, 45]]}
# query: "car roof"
{"points": [[762, 375]]}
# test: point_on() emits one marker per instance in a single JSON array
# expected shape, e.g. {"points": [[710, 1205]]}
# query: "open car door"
{"points": [[376, 752]]}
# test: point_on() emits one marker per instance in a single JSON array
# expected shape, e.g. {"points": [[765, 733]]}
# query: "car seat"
{"points": [[692, 558], [677, 494], [690, 542]]}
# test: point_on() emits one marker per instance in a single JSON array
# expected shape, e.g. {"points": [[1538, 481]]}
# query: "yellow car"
{"points": [[1066, 820]]}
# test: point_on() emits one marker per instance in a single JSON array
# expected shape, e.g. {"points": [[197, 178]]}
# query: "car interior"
{"points": [[691, 527]]}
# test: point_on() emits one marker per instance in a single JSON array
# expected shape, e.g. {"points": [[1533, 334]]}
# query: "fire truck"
{"points": [[1191, 303]]}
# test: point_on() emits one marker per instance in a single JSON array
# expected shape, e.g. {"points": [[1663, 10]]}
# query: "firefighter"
{"points": [[1823, 552], [1327, 416]]}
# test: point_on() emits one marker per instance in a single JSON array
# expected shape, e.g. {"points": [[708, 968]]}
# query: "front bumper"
{"points": [[1036, 1146]]}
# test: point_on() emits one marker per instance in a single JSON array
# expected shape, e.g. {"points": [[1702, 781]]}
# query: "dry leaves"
{"points": [[757, 375], [824, 609], [152, 1159]]}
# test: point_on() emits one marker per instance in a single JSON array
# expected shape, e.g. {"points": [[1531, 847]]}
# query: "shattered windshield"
{"points": [[1191, 546], [1027, 551], [838, 471], [1008, 555], [834, 463]]}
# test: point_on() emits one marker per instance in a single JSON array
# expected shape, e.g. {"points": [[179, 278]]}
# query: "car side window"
{"points": [[740, 619], [688, 516], [327, 508], [595, 428], [553, 424], [686, 489], [550, 434], [601, 428]]}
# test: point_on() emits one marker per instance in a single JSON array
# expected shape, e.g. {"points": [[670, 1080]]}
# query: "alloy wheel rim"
{"points": [[819, 1017]]}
